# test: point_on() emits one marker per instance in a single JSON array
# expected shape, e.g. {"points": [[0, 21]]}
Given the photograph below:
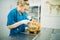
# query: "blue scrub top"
{"points": [[13, 17]]}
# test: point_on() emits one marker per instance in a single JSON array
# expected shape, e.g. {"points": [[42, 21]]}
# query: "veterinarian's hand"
{"points": [[25, 21]]}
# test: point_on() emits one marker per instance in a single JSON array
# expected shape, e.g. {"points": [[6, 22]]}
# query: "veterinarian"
{"points": [[17, 18]]}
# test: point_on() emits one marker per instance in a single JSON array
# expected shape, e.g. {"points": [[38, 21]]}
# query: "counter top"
{"points": [[20, 36], [48, 34]]}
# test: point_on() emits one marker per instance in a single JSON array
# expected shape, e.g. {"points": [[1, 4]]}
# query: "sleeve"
{"points": [[10, 18]]}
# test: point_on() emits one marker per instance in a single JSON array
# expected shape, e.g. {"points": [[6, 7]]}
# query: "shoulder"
{"points": [[12, 12]]}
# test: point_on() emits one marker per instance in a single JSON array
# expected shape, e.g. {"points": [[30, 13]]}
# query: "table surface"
{"points": [[45, 34], [48, 34], [20, 36]]}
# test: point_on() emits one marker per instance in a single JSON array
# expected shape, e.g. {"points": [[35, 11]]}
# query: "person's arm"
{"points": [[14, 25], [18, 23], [11, 20]]}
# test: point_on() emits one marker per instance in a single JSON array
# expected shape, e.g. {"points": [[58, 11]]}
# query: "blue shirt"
{"points": [[13, 17]]}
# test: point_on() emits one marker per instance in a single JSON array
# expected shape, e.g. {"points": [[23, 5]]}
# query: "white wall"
{"points": [[50, 20]]}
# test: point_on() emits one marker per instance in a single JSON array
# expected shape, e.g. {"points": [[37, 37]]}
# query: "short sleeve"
{"points": [[10, 18]]}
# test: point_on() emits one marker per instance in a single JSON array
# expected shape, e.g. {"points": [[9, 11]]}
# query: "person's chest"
{"points": [[20, 17]]}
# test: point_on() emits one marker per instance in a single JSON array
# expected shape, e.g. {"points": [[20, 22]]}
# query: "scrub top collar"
{"points": [[19, 11]]}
